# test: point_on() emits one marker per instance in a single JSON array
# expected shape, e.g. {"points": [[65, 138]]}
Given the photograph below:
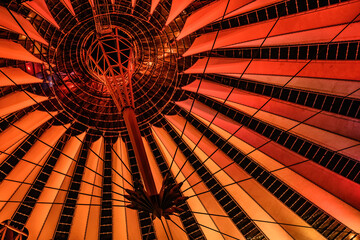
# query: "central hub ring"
{"points": [[155, 79]]}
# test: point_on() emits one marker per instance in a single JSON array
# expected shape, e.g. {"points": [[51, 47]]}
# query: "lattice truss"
{"points": [[110, 59]]}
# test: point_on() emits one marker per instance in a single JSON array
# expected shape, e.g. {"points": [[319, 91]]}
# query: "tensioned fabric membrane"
{"points": [[252, 104]]}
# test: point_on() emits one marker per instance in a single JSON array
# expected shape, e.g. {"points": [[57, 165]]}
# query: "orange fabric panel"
{"points": [[65, 165], [118, 173], [28, 123], [86, 220], [168, 230], [324, 120], [333, 141], [313, 130], [125, 220], [344, 70], [153, 165], [176, 233], [10, 150], [159, 229], [177, 6], [40, 7], [12, 50], [195, 203], [92, 231], [49, 227], [322, 85], [332, 182], [8, 22], [325, 35], [257, 202], [27, 171], [257, 4], [17, 76], [319, 178], [301, 22], [94, 214], [207, 200], [18, 100], [154, 4], [67, 4], [210, 13]]}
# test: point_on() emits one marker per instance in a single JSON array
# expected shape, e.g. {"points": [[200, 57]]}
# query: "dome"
{"points": [[245, 113]]}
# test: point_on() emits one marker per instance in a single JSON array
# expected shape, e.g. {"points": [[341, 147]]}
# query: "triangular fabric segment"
{"points": [[8, 22], [209, 14], [285, 30], [154, 4], [67, 4], [251, 6], [39, 6], [17, 76], [18, 100], [12, 50], [177, 7]]}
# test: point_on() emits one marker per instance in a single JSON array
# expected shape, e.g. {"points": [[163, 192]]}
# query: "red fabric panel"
{"points": [[177, 7], [345, 70], [209, 14], [325, 120], [315, 19], [336, 184]]}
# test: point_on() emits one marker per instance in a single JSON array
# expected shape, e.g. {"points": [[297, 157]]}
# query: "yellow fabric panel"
{"points": [[322, 85]]}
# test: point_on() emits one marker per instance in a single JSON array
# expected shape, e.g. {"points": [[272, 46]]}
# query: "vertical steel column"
{"points": [[139, 149]]}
